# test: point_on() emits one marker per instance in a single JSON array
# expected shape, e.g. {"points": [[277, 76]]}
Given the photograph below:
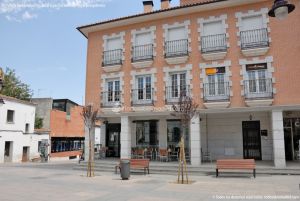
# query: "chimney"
{"points": [[148, 6], [165, 4]]}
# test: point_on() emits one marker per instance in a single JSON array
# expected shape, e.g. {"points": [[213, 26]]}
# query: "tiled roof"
{"points": [[8, 98], [149, 13]]}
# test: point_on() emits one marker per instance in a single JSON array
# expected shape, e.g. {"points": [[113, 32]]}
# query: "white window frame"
{"points": [[114, 91], [144, 88]]}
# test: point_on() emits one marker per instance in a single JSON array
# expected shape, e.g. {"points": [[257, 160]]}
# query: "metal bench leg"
{"points": [[217, 172], [254, 173]]}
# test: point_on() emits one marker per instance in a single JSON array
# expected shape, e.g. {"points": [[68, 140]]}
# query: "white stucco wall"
{"points": [[225, 134], [15, 132]]}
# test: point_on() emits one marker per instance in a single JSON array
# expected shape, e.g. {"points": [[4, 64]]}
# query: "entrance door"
{"points": [[113, 140], [25, 156], [8, 151], [252, 140]]}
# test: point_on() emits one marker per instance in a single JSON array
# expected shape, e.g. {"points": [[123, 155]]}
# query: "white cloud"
{"points": [[28, 16], [18, 10]]}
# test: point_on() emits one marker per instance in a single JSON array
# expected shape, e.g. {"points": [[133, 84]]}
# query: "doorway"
{"points": [[25, 155], [8, 151], [251, 140], [113, 140], [291, 138]]}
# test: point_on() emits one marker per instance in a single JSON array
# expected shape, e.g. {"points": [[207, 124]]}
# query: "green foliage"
{"points": [[14, 87], [38, 124]]}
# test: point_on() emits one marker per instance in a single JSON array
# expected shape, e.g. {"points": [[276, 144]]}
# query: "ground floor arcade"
{"points": [[267, 135]]}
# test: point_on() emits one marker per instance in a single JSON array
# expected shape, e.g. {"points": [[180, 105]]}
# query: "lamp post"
{"points": [[281, 9], [1, 84]]}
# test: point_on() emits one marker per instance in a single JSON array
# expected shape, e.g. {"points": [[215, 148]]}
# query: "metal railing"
{"points": [[258, 88], [142, 52], [110, 98], [254, 38], [142, 96], [176, 48], [219, 91], [112, 57], [213, 43], [173, 92]]}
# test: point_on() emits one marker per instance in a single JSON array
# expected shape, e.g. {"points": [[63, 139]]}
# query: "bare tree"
{"points": [[89, 116], [185, 109]]}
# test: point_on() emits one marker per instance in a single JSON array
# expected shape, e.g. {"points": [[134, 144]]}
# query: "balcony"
{"points": [[110, 99], [112, 60], [255, 42], [216, 95], [176, 51], [258, 92], [142, 56], [214, 47], [173, 93], [142, 97]]}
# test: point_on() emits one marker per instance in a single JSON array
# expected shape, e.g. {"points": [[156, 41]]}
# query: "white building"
{"points": [[18, 142]]}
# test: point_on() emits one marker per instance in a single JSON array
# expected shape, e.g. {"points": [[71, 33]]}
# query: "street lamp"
{"points": [[280, 9], [1, 84]]}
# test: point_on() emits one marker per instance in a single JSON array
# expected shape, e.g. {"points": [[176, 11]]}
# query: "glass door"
{"points": [[113, 140]]}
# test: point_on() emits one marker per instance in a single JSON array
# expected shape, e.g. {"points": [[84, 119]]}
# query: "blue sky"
{"points": [[44, 47]]}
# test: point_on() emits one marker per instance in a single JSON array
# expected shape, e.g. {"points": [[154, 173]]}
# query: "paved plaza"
{"points": [[59, 182]]}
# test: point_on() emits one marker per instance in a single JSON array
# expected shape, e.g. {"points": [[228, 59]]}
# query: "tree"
{"points": [[38, 123], [186, 109], [14, 87], [89, 116]]}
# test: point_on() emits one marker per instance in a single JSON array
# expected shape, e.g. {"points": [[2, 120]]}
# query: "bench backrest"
{"points": [[236, 163], [139, 162]]}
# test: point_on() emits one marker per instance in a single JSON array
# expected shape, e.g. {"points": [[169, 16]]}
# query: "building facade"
{"points": [[18, 142], [236, 62], [62, 119]]}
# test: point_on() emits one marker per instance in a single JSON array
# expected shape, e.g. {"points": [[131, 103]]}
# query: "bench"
{"points": [[136, 164], [235, 164]]}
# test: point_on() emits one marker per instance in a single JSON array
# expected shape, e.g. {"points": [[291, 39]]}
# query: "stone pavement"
{"points": [[38, 183]]}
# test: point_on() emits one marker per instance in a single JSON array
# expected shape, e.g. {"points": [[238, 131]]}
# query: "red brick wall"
{"points": [[61, 127]]}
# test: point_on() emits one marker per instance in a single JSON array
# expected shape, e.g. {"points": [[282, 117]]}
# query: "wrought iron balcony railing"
{"points": [[173, 93], [142, 96], [112, 57], [142, 52], [213, 43], [176, 48], [110, 98], [258, 88], [219, 91], [256, 38]]}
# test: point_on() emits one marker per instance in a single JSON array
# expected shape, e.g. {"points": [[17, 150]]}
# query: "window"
{"points": [[177, 43], [143, 47], [66, 144], [26, 128], [216, 81], [174, 133], [146, 133], [144, 88], [113, 51], [257, 83], [213, 37], [178, 84], [10, 116], [113, 91]]}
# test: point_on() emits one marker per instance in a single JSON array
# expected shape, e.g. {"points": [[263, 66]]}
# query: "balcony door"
{"points": [[216, 84], [178, 85], [113, 91], [143, 48], [144, 88], [177, 43], [213, 37]]}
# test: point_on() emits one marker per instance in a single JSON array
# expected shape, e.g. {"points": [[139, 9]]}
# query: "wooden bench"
{"points": [[235, 164], [136, 164]]}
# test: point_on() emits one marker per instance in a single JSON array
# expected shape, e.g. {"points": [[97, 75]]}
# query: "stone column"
{"points": [[195, 141], [162, 133], [103, 135], [125, 137], [278, 139]]}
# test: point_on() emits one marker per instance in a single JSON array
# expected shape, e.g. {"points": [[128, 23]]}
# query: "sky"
{"points": [[38, 38]]}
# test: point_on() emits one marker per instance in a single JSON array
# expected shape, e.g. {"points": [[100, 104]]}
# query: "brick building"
{"points": [[62, 118], [236, 62]]}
